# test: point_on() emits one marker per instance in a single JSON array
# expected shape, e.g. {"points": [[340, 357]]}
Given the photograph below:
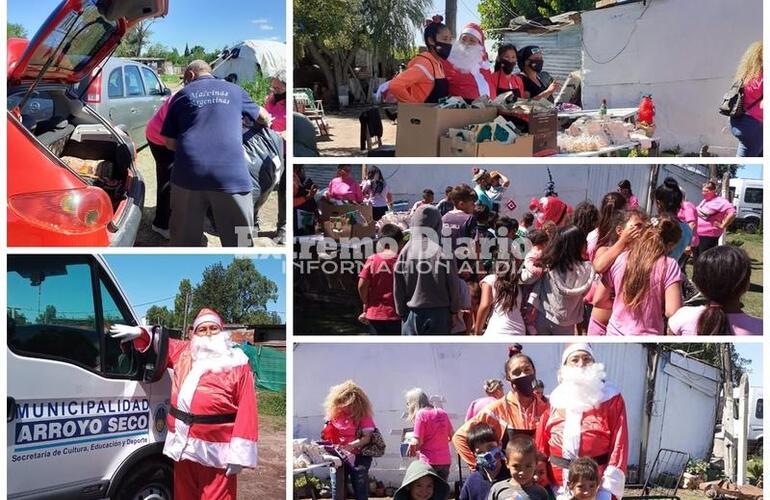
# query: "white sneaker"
{"points": [[163, 232]]}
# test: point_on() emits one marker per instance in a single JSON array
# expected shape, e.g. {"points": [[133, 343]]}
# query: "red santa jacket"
{"points": [[600, 433], [466, 85], [211, 390]]}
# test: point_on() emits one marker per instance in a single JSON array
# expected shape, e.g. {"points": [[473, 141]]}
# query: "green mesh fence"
{"points": [[268, 365]]}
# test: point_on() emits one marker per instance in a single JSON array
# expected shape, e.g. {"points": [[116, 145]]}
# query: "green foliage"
{"points": [[171, 79], [496, 14], [160, 316], [135, 40], [16, 30], [697, 467], [709, 353], [272, 403], [307, 481], [736, 242], [755, 471], [258, 89], [185, 289]]}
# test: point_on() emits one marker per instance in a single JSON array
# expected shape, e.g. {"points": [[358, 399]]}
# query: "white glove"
{"points": [[125, 333], [233, 469]]}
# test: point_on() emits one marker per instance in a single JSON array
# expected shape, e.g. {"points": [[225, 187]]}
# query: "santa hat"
{"points": [[476, 32], [573, 348], [208, 316]]}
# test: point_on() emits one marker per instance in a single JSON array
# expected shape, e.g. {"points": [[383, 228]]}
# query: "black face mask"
{"points": [[507, 66], [524, 384], [536, 65], [443, 49], [279, 97]]}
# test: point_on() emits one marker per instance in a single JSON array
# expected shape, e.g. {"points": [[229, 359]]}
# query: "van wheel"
{"points": [[152, 480], [751, 226]]}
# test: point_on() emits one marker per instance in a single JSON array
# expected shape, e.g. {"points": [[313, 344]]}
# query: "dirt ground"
{"points": [[268, 480], [146, 237], [345, 133]]}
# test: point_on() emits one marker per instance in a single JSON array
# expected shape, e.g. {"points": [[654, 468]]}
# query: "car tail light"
{"points": [[69, 211], [94, 93]]}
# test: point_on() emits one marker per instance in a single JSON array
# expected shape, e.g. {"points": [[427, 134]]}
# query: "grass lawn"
{"points": [[752, 243], [272, 403], [171, 80]]}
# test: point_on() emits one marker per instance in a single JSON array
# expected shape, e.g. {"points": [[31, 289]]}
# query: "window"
{"points": [[58, 309], [115, 83], [759, 411], [134, 85], [753, 195], [151, 82]]}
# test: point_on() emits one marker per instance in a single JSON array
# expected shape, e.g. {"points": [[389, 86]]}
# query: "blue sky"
{"points": [[150, 280], [211, 24], [750, 172], [752, 351]]}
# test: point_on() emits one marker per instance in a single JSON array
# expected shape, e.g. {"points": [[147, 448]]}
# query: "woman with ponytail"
{"points": [[500, 296], [723, 275], [646, 282], [517, 413]]}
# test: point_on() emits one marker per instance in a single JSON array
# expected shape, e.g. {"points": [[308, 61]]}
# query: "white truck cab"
{"points": [[746, 197], [86, 416]]}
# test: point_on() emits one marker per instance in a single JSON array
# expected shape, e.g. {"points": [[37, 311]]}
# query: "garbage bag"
{"points": [[264, 151]]}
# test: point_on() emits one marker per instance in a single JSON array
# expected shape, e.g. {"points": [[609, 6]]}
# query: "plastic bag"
{"points": [[264, 152]]}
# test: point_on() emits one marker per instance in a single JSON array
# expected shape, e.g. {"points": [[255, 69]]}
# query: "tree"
{"points": [[331, 32], [186, 51], [709, 353], [180, 301], [158, 50], [16, 30], [47, 316], [161, 316], [240, 293], [497, 14]]}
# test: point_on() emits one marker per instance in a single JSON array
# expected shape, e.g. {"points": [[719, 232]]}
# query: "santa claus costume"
{"points": [[587, 418], [212, 422], [467, 68]]}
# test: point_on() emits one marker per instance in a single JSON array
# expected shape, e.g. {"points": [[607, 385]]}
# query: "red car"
{"points": [[72, 178]]}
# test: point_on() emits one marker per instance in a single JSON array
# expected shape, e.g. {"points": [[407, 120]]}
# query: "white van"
{"points": [[746, 196], [86, 416], [756, 410]]}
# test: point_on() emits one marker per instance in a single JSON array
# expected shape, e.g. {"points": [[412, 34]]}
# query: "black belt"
{"points": [[564, 463], [189, 418]]}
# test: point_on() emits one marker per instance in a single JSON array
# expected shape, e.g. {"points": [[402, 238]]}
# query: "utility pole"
{"points": [[743, 430], [728, 416], [186, 313], [451, 16]]}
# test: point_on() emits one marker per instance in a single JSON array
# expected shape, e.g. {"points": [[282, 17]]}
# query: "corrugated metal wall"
{"points": [[561, 50]]}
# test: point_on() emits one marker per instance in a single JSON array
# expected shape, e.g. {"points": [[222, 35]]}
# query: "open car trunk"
{"points": [[82, 141]]}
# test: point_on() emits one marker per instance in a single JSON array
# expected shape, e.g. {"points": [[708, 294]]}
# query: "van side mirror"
{"points": [[166, 91], [155, 365]]}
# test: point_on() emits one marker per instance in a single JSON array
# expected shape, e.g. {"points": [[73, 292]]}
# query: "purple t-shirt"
{"points": [[433, 428], [206, 119], [647, 319], [460, 224], [685, 322]]}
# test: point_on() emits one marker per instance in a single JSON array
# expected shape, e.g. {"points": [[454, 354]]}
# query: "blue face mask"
{"points": [[489, 459]]}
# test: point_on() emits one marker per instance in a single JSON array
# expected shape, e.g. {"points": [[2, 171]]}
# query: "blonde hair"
{"points": [[416, 399], [347, 398], [643, 256], [751, 63]]}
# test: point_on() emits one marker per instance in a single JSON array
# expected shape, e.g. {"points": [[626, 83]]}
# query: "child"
{"points": [[500, 296], [462, 321], [541, 470], [646, 282], [566, 281], [485, 221], [427, 199], [445, 204], [521, 458], [527, 224], [375, 285], [531, 271], [723, 275], [421, 483], [583, 481], [459, 222], [490, 463]]}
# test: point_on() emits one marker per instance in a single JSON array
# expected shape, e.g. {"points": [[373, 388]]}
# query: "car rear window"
{"points": [[78, 38]]}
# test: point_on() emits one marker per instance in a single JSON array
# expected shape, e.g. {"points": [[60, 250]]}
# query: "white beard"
{"points": [[467, 58], [579, 388], [215, 353]]}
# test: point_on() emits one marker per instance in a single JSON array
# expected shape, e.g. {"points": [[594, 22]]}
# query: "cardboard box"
{"points": [[421, 126], [338, 227], [543, 126], [455, 146], [329, 210]]}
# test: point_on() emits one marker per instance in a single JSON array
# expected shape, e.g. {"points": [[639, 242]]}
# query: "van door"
{"points": [[76, 406]]}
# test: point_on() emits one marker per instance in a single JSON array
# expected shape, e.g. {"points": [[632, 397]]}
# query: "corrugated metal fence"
{"points": [[561, 49]]}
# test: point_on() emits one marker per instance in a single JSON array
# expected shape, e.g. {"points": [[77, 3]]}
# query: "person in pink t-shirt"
{"points": [[344, 187], [349, 423], [624, 188], [494, 390], [646, 282], [164, 162], [715, 214], [723, 275], [375, 284], [688, 214], [275, 103], [432, 432], [747, 128]]}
